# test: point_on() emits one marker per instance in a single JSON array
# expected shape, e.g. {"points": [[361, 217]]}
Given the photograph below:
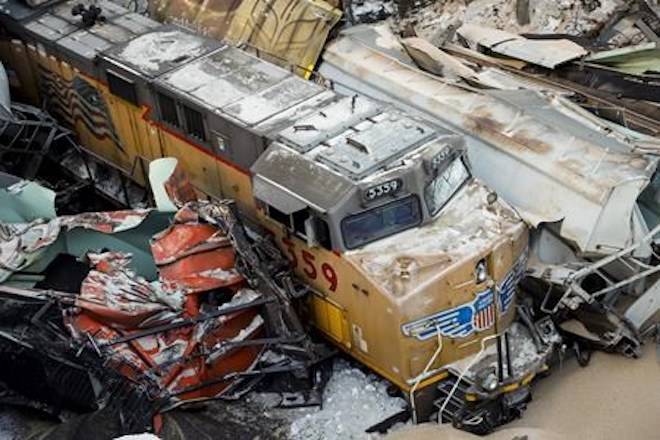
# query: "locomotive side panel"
{"points": [[20, 64]]}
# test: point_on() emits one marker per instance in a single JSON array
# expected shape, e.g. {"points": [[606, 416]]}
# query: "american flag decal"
{"points": [[484, 311]]}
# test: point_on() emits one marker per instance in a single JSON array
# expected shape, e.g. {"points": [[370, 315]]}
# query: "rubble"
{"points": [[195, 331], [560, 17]]}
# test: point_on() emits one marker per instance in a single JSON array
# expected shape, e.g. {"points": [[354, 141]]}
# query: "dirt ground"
{"points": [[613, 398]]}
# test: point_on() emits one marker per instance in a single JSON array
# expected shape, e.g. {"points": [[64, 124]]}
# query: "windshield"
{"points": [[381, 222], [444, 186]]}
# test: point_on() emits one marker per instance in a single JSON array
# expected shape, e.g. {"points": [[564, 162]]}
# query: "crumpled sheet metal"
{"points": [[114, 294], [115, 302], [22, 243], [291, 33], [188, 330], [546, 53], [536, 150], [638, 60], [195, 361], [169, 185]]}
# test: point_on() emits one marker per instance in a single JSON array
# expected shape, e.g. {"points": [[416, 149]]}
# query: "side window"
{"points": [[167, 108], [298, 219], [122, 87], [380, 222], [279, 216], [194, 123], [323, 233], [222, 143], [304, 225]]}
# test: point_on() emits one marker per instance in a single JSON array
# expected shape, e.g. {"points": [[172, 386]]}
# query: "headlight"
{"points": [[489, 383], [481, 272]]}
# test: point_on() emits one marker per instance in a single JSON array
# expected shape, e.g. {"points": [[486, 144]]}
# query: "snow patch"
{"points": [[151, 50], [352, 402]]}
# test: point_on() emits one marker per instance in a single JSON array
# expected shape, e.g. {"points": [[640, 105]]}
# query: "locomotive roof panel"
{"points": [[20, 10], [240, 85], [272, 101], [84, 43], [67, 30], [223, 77], [124, 27], [51, 27], [165, 48], [366, 147], [329, 121]]}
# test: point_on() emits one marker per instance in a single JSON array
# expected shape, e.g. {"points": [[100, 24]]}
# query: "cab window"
{"points": [[381, 222], [445, 185], [300, 222]]}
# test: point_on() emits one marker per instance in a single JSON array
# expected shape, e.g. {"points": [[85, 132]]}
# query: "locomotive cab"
{"points": [[412, 261]]}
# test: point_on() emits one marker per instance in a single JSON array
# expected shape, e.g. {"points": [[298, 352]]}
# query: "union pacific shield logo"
{"points": [[484, 311], [476, 315], [457, 322]]}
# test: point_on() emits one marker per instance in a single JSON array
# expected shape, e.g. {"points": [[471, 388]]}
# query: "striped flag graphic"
{"points": [[484, 311]]}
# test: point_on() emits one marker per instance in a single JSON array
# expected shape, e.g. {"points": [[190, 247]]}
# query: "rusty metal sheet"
{"points": [[546, 53], [434, 60], [286, 32]]}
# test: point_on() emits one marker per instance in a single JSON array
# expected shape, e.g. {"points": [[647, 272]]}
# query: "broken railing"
{"points": [[609, 301]]}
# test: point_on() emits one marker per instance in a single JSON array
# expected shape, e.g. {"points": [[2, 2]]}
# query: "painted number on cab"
{"points": [[309, 266]]}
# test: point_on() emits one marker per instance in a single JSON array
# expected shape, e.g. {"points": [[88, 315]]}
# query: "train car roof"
{"points": [[67, 32], [19, 10], [239, 85], [160, 50]]}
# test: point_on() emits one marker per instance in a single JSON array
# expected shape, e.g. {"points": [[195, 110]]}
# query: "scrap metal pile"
{"points": [[133, 313]]}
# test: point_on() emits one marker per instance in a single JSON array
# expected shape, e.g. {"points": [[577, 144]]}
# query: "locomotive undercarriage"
{"points": [[493, 387]]}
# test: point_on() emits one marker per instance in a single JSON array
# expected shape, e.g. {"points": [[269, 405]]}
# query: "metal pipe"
{"points": [[507, 345], [421, 375], [500, 373]]}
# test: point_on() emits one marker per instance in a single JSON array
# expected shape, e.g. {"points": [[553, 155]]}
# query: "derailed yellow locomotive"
{"points": [[412, 263]]}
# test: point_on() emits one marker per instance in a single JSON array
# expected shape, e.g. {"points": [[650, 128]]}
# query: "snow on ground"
{"points": [[9, 425], [352, 402]]}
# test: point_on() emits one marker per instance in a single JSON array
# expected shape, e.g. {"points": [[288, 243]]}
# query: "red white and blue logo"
{"points": [[457, 322], [474, 316], [484, 311]]}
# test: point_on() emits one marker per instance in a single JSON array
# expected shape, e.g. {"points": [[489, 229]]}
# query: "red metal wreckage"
{"points": [[215, 319]]}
